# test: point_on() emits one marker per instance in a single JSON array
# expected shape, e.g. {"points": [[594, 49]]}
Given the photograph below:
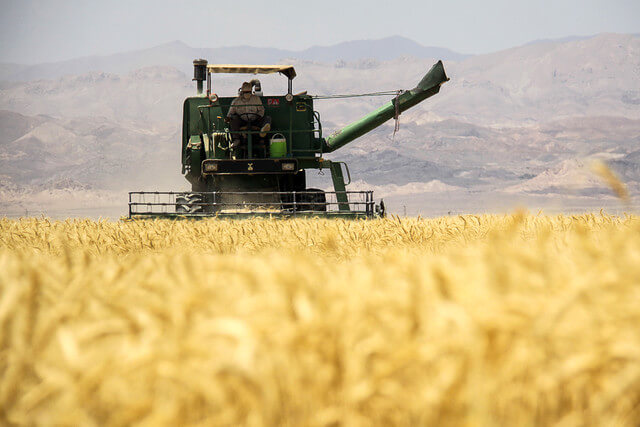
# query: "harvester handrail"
{"points": [[213, 203]]}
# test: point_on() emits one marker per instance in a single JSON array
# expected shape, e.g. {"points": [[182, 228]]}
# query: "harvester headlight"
{"points": [[288, 166], [211, 167]]}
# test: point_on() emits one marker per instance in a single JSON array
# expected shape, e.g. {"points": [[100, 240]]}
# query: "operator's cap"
{"points": [[246, 87]]}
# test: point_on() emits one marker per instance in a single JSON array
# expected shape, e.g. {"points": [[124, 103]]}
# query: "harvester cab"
{"points": [[238, 165]]}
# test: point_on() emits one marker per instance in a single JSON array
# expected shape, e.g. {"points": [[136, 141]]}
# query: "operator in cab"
{"points": [[247, 111]]}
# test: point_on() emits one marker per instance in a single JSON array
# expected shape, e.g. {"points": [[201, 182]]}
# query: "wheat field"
{"points": [[515, 320]]}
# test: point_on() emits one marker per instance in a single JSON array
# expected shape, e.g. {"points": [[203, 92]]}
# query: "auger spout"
{"points": [[428, 86]]}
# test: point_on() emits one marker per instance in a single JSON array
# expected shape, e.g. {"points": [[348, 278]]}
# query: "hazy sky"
{"points": [[33, 31]]}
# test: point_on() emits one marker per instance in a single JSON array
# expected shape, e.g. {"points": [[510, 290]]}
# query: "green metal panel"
{"points": [[196, 158], [295, 120], [338, 185], [191, 122]]}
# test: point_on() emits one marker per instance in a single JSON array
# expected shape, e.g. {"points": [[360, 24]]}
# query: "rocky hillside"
{"points": [[527, 120], [84, 153]]}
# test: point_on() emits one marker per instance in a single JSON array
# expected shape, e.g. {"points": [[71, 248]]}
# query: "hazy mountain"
{"points": [[546, 81], [561, 39], [178, 55], [150, 94], [479, 157], [628, 166], [571, 176], [15, 125], [382, 50], [85, 152], [525, 85], [526, 121]]}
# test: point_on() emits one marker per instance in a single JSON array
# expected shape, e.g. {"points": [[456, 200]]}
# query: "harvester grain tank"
{"points": [[266, 173]]}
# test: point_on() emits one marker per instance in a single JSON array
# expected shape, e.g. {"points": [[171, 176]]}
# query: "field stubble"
{"points": [[471, 320]]}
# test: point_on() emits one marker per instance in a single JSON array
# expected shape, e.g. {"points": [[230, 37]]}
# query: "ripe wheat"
{"points": [[471, 320]]}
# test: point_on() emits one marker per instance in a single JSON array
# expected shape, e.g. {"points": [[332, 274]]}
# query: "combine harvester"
{"points": [[265, 174]]}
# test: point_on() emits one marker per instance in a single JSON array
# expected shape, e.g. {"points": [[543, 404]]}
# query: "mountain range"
{"points": [[178, 55], [521, 125]]}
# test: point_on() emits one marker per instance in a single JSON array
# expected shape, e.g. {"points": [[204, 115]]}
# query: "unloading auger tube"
{"points": [[428, 86]]}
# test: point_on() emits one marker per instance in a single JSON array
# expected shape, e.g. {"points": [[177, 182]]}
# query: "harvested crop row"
{"points": [[509, 320]]}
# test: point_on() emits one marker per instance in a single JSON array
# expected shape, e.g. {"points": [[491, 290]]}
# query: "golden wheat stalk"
{"points": [[611, 179], [470, 320]]}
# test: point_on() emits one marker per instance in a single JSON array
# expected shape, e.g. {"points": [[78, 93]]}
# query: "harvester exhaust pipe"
{"points": [[428, 86], [200, 73]]}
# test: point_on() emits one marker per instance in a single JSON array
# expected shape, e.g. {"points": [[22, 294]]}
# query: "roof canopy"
{"points": [[287, 70]]}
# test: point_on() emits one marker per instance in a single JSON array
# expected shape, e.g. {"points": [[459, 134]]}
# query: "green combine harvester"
{"points": [[261, 171]]}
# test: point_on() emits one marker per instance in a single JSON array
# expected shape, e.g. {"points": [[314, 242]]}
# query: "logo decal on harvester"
{"points": [[250, 166], [273, 101]]}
